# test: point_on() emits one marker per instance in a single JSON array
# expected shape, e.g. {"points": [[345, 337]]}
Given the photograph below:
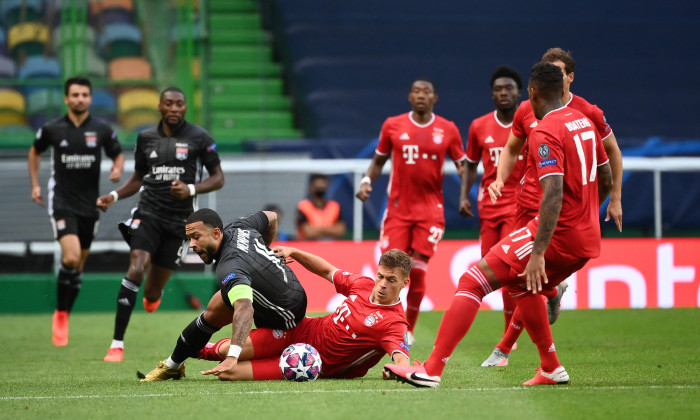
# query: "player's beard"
{"points": [[210, 254]]}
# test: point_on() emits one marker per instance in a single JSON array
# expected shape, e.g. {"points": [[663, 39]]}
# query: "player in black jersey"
{"points": [[168, 170], [256, 285], [77, 139]]}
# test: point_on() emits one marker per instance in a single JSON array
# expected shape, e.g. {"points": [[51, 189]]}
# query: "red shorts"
{"points": [[268, 345], [411, 236], [510, 256], [492, 230], [523, 216]]}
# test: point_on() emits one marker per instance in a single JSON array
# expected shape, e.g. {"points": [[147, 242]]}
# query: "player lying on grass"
{"points": [[367, 325]]}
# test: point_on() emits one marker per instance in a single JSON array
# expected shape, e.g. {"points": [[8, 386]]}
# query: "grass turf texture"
{"points": [[623, 364]]}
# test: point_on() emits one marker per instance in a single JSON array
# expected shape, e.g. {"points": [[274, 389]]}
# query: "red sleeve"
{"points": [[601, 155], [518, 129], [596, 116], [473, 145], [343, 281], [393, 340], [456, 148], [384, 145]]}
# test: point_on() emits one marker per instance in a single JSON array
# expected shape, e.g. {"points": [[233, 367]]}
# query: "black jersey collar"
{"points": [[224, 240], [70, 122], [177, 130]]}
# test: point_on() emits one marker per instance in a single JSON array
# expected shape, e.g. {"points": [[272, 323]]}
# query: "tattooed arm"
{"points": [[605, 184], [553, 194]]}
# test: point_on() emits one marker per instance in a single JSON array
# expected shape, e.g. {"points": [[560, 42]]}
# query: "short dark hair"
{"points": [[275, 208], [207, 216], [76, 80], [425, 79], [394, 258], [173, 89], [548, 79], [313, 177], [558, 54], [507, 71]]}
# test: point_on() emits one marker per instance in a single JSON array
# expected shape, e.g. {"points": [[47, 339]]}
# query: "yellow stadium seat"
{"points": [[29, 38], [136, 99], [11, 100], [137, 119]]}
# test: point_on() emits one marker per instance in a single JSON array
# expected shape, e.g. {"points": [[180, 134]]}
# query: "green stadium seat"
{"points": [[44, 104], [235, 87], [224, 22], [257, 120], [81, 34], [13, 12], [241, 52], [87, 62], [17, 136], [243, 69], [120, 40]]}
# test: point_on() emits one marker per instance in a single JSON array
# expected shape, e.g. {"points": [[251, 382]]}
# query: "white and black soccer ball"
{"points": [[300, 362]]}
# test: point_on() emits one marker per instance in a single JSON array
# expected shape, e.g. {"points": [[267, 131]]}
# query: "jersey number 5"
{"points": [[587, 135]]}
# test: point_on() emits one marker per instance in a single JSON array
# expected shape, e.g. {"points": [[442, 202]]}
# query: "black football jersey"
{"points": [[75, 163]]}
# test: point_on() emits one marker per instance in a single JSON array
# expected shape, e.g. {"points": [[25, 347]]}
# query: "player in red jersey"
{"points": [[528, 200], [487, 137], [367, 325], [414, 221], [575, 177]]}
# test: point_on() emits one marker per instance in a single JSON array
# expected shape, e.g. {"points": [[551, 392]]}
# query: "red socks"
{"points": [[508, 309], [472, 288], [416, 291], [534, 315]]}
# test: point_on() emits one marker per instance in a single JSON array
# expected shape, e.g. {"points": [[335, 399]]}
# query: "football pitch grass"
{"points": [[623, 364]]}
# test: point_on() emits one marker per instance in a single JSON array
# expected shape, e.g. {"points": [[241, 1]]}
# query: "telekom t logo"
{"points": [[410, 153]]}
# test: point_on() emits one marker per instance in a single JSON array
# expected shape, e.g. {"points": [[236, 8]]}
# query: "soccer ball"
{"points": [[300, 362]]}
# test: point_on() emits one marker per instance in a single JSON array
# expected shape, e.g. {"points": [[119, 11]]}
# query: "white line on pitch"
{"points": [[347, 391]]}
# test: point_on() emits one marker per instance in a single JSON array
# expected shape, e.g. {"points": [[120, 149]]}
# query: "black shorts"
{"points": [[65, 222], [164, 240]]}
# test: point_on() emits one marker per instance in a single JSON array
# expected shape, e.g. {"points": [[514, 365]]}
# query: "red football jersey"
{"points": [[567, 143], [487, 137], [359, 333], [418, 155], [525, 121]]}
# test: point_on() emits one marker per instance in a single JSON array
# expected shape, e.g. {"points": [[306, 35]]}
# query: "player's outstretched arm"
{"points": [[614, 210], [311, 262], [506, 162], [373, 172], [552, 196], [241, 323]]}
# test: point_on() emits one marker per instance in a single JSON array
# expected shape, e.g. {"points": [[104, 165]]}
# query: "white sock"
{"points": [[172, 365], [117, 344]]}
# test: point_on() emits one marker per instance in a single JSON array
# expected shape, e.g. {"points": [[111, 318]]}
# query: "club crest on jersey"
{"points": [[91, 139], [278, 334], [181, 151], [438, 135], [543, 151], [370, 320]]}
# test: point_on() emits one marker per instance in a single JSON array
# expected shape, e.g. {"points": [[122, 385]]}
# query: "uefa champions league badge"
{"points": [[543, 151]]}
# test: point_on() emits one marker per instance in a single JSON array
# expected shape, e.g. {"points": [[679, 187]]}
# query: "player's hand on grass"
{"points": [[224, 370], [495, 190], [535, 275], [615, 211]]}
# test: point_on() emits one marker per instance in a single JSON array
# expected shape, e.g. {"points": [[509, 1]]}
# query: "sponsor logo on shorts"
{"points": [[135, 223], [60, 224], [543, 151], [228, 278], [278, 334], [548, 162]]}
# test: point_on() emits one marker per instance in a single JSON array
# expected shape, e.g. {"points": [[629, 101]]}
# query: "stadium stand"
{"points": [[138, 108], [13, 12], [120, 40], [28, 39], [245, 90]]}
